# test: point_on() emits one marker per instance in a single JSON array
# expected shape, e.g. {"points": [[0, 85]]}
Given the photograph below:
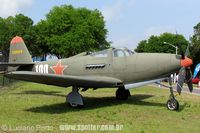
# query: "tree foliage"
{"points": [[18, 25], [156, 43], [67, 31], [195, 49]]}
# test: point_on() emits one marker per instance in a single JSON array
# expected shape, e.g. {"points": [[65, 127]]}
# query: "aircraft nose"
{"points": [[186, 62]]}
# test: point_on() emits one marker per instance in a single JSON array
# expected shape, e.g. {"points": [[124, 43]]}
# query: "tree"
{"points": [[41, 31], [156, 43], [19, 25], [195, 49], [67, 31]]}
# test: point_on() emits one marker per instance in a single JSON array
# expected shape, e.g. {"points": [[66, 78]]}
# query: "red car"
{"points": [[195, 80]]}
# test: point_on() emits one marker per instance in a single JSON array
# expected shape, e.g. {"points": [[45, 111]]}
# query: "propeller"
{"points": [[181, 79], [185, 74]]}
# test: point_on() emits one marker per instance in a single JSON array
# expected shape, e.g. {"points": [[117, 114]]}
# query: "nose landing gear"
{"points": [[172, 103]]}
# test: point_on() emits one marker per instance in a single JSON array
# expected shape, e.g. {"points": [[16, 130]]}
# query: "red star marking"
{"points": [[58, 68]]}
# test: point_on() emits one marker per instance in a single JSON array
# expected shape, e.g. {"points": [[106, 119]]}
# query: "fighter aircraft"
{"points": [[111, 68]]}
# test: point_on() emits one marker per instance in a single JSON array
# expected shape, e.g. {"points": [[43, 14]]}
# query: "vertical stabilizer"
{"points": [[18, 51]]}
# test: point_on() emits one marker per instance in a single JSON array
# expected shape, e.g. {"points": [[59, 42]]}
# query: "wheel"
{"points": [[172, 104], [74, 99], [74, 105], [122, 94]]}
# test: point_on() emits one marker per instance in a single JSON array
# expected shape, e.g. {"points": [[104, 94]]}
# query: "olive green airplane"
{"points": [[111, 68]]}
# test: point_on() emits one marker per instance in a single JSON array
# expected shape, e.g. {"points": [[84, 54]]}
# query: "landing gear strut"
{"points": [[172, 103], [122, 93], [74, 99]]}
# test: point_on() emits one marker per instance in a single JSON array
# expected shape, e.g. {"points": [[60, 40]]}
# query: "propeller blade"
{"points": [[187, 52], [181, 79], [188, 75], [181, 52], [190, 86], [188, 79]]}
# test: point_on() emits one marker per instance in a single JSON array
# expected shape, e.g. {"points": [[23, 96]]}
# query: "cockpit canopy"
{"points": [[116, 52], [121, 52]]}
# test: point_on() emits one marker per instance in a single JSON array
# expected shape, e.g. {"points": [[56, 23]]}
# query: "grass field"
{"points": [[28, 104]]}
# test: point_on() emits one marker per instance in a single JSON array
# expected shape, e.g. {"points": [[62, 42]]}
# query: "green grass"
{"points": [[30, 104]]}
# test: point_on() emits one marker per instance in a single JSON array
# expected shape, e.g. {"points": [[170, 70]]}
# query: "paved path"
{"points": [[196, 91]]}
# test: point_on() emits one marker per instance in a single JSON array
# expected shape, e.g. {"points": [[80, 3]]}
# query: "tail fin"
{"points": [[19, 52]]}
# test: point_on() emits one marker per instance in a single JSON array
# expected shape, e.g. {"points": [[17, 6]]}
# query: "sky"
{"points": [[128, 21]]}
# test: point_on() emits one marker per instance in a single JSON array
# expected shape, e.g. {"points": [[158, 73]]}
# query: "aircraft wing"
{"points": [[14, 64], [138, 84], [65, 80]]}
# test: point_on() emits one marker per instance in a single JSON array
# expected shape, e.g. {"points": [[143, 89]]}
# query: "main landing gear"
{"points": [[122, 93], [172, 103], [74, 99]]}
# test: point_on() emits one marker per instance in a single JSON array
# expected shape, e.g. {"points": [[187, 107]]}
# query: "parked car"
{"points": [[195, 80]]}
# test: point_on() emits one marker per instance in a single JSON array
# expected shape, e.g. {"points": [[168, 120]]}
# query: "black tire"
{"points": [[172, 104], [122, 94]]}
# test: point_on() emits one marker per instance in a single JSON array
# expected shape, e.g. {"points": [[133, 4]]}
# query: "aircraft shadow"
{"points": [[90, 102], [93, 103], [37, 92]]}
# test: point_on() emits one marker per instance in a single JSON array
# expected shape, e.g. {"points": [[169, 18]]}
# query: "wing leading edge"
{"points": [[65, 80], [139, 84]]}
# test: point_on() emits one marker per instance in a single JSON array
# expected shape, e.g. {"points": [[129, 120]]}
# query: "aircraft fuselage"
{"points": [[129, 69]]}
